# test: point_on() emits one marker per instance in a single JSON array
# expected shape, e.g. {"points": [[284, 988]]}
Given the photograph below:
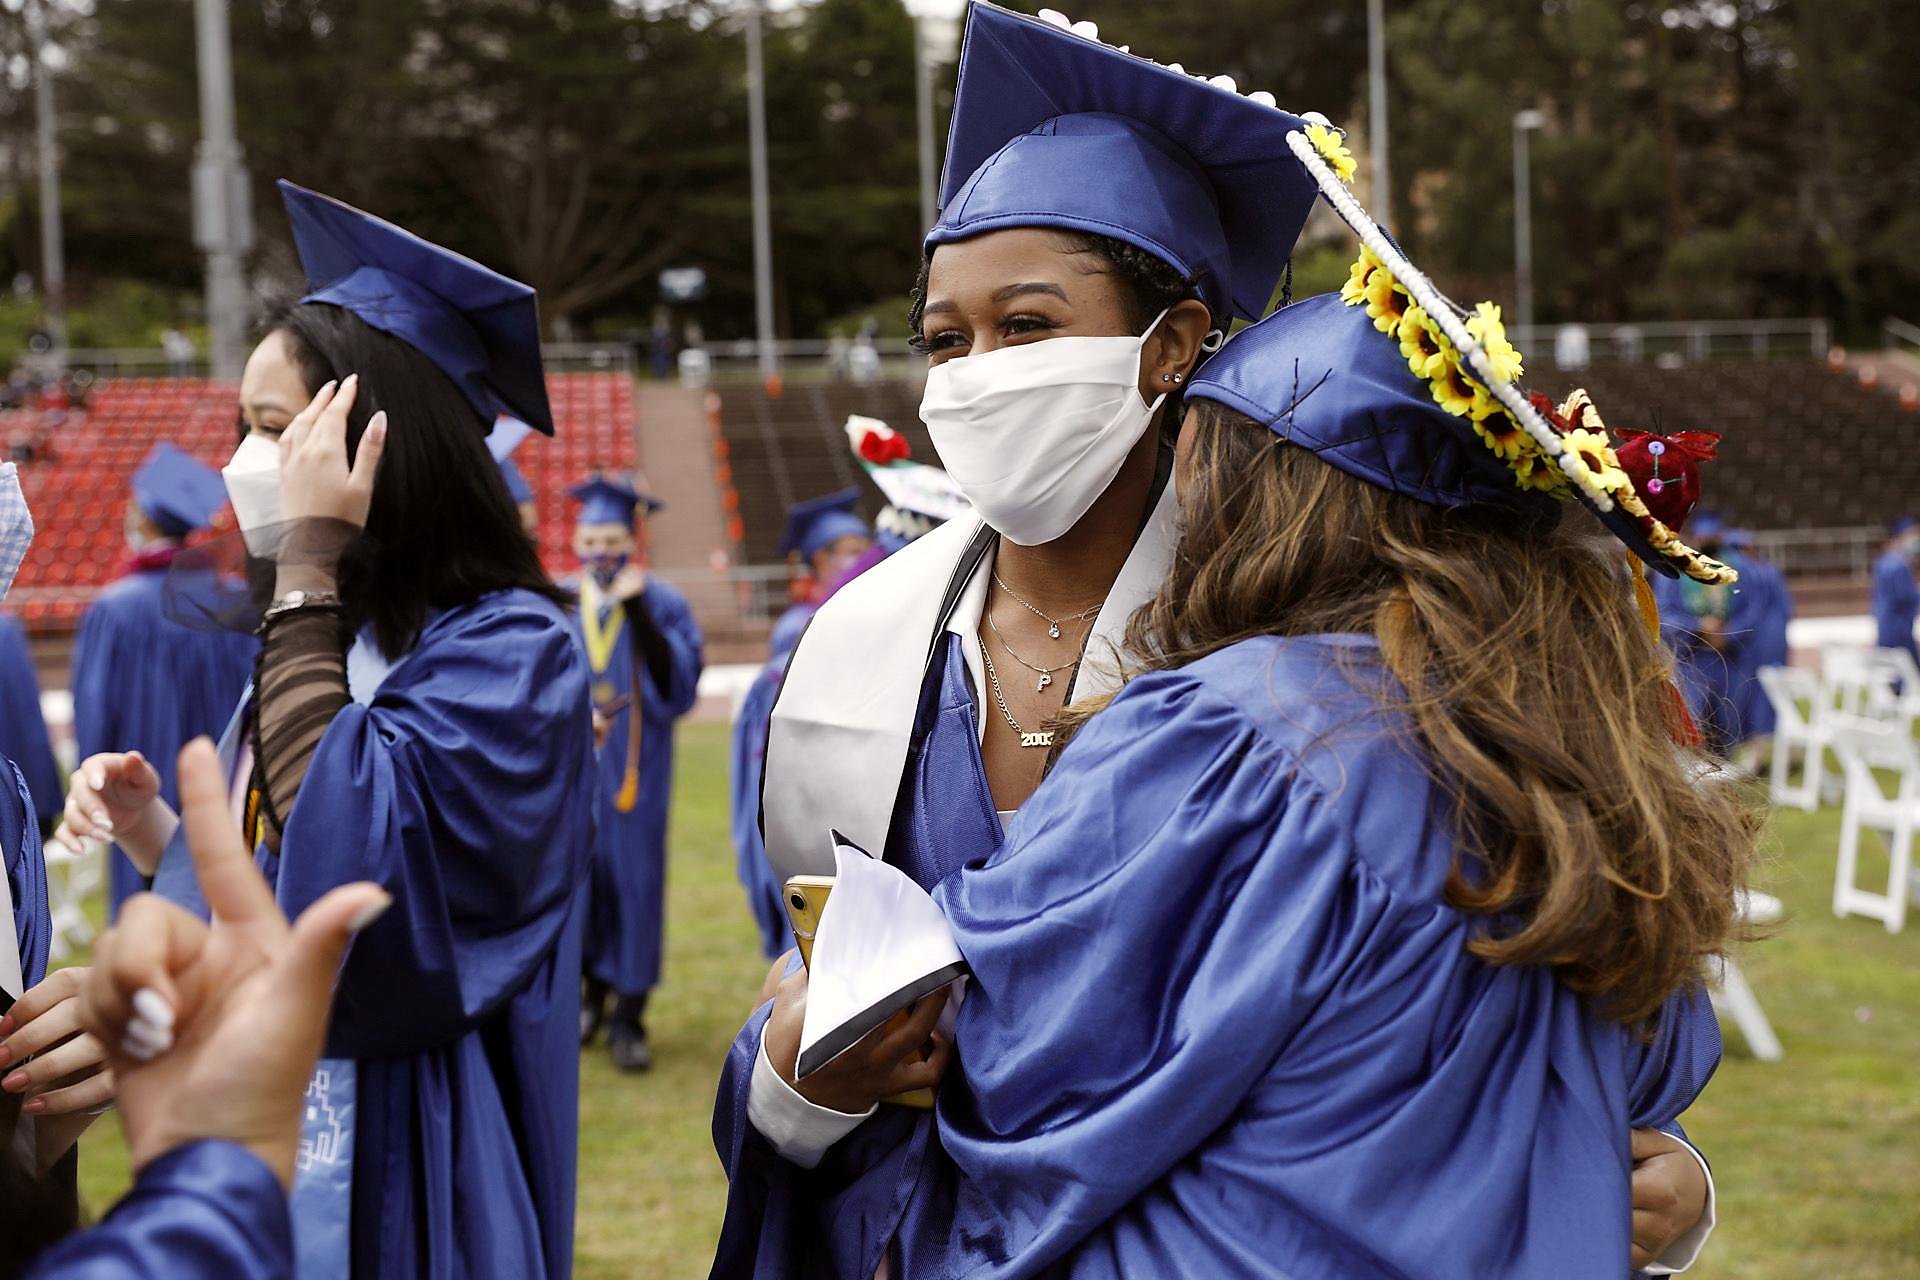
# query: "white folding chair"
{"points": [[1734, 998], [1795, 730], [1855, 681], [1864, 746]]}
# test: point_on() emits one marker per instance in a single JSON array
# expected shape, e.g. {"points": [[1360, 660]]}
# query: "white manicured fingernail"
{"points": [[152, 1034], [368, 914], [144, 1042], [153, 1007]]}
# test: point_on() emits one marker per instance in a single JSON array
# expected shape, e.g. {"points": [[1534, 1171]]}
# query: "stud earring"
{"points": [[1175, 378]]}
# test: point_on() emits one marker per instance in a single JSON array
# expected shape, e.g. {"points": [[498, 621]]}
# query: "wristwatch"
{"points": [[294, 600]]}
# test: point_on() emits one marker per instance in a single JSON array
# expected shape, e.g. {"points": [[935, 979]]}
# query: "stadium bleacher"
{"points": [[78, 488], [1804, 446]]}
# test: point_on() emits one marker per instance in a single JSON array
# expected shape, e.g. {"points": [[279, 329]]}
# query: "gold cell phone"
{"points": [[806, 901]]}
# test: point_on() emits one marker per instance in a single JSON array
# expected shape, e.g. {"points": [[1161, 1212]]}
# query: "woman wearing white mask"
{"points": [[1103, 219], [420, 719]]}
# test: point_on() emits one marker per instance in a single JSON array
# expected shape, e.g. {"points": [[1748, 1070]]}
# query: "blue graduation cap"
{"points": [[612, 499], [1321, 376], [179, 493], [481, 328], [819, 522], [1899, 525], [1054, 129], [1706, 526]]}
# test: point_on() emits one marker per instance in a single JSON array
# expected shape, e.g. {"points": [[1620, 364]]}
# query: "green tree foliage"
{"points": [[1701, 158]]}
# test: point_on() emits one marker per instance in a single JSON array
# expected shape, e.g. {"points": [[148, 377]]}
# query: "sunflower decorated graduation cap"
{"points": [[176, 491], [481, 328], [611, 499], [1392, 382], [820, 522], [1052, 128]]}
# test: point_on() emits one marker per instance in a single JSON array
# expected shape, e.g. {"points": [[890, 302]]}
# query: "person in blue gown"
{"points": [[213, 1087], [890, 726], [421, 721], [1763, 610], [1896, 598], [642, 643], [143, 678], [23, 728], [1707, 631], [1238, 1002], [822, 536]]}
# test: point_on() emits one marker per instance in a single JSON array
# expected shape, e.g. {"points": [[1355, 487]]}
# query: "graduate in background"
{"points": [[1896, 598], [1763, 610], [1708, 638], [642, 645], [23, 728], [142, 679], [421, 720], [822, 537]]}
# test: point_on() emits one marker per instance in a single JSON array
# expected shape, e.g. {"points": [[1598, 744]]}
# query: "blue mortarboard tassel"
{"points": [[481, 328], [820, 522], [610, 500], [1054, 129], [177, 492]]}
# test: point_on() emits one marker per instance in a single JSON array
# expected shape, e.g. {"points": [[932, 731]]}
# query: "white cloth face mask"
{"points": [[253, 484], [1034, 434], [16, 526]]}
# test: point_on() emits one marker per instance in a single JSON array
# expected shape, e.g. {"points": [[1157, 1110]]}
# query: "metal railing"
{"points": [[1839, 553], [756, 593], [1898, 335], [1671, 342]]}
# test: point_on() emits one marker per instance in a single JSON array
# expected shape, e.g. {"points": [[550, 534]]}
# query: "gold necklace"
{"points": [[1045, 673], [1044, 739], [1053, 623]]}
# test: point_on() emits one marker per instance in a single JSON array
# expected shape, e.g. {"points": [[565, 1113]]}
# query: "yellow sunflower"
{"points": [[1484, 324], [1354, 291], [1387, 302], [1535, 470], [1596, 452], [1332, 146], [1503, 435], [1457, 393], [1426, 348]]}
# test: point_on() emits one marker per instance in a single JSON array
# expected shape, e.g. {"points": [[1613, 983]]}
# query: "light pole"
{"points": [[53, 253], [222, 210], [933, 24], [762, 218], [1524, 123], [1377, 110]]}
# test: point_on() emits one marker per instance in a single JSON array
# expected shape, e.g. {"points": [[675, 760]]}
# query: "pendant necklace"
{"points": [[1053, 623], [1045, 673], [1044, 739]]}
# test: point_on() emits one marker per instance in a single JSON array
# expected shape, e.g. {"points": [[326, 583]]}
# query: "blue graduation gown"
{"points": [[26, 871], [1707, 677], [749, 756], [23, 730], [144, 682], [1896, 601], [205, 1211], [1762, 610], [782, 1221], [466, 788], [1277, 1058], [628, 916]]}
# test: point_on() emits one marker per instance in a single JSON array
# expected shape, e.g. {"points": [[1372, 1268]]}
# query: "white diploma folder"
{"points": [[881, 945]]}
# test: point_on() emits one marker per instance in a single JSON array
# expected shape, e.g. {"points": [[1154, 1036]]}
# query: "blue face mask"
{"points": [[16, 526], [606, 566]]}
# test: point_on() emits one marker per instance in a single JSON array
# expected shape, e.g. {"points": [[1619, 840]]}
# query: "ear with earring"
{"points": [[1175, 378]]}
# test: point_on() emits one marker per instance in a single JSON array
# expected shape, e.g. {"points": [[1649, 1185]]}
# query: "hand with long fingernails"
{"points": [[116, 796], [212, 1030]]}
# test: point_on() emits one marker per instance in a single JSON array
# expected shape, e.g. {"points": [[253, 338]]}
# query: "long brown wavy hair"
{"points": [[1529, 682]]}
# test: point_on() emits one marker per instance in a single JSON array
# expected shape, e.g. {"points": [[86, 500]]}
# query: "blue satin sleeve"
{"points": [[461, 788], [672, 614], [206, 1211], [749, 753], [26, 872], [23, 730]]}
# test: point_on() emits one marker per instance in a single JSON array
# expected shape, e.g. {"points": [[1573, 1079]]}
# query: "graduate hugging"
{"points": [[1331, 855]]}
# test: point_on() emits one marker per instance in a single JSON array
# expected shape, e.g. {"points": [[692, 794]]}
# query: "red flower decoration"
{"points": [[882, 449], [1550, 411], [1666, 470]]}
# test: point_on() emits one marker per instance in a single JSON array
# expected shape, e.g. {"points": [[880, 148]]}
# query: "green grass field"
{"points": [[1817, 1158]]}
